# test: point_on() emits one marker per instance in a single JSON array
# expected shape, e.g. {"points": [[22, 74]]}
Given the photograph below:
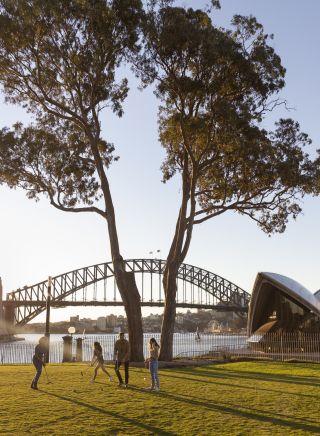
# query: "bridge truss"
{"points": [[95, 286]]}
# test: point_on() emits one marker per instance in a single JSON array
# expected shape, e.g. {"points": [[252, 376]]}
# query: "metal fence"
{"points": [[272, 346]]}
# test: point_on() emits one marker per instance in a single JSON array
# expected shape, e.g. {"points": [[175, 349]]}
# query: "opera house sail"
{"points": [[280, 305]]}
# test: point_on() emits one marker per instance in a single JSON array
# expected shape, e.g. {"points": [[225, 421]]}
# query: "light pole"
{"points": [[71, 331], [48, 306], [154, 253]]}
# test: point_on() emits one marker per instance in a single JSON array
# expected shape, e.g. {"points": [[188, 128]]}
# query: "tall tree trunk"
{"points": [[177, 253], [126, 282], [131, 299], [178, 250], [169, 313]]}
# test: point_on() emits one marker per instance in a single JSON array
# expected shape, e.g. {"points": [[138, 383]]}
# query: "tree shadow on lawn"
{"points": [[154, 430], [252, 409], [52, 422], [226, 408], [232, 384], [221, 373], [302, 379]]}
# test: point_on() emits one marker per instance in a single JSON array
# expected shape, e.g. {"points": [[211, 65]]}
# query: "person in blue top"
{"points": [[39, 359]]}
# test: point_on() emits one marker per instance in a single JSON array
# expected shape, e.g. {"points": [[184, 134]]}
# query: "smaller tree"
{"points": [[216, 86], [59, 59]]}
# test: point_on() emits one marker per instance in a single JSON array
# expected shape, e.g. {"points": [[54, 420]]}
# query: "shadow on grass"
{"points": [[234, 385], [136, 423], [253, 414], [53, 421], [253, 409], [308, 380], [221, 373]]}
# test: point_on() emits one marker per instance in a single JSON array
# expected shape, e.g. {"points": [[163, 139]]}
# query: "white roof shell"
{"points": [[286, 285], [294, 289]]}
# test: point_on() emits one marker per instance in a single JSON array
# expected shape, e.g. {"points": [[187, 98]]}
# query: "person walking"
{"points": [[122, 355], [153, 364], [98, 361], [39, 359]]}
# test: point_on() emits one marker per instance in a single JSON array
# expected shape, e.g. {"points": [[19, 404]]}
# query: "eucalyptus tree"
{"points": [[216, 88], [58, 59]]}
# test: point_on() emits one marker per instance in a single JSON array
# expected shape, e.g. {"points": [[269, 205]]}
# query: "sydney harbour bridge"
{"points": [[95, 286]]}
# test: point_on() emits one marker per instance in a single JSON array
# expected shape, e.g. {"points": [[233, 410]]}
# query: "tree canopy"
{"points": [[216, 87], [58, 60]]}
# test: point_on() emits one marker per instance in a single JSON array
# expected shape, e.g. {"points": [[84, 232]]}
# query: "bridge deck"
{"points": [[224, 308]]}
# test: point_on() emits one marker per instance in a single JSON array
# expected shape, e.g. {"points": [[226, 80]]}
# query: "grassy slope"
{"points": [[245, 398]]}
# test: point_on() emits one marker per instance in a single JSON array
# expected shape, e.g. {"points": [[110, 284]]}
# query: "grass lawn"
{"points": [[244, 398]]}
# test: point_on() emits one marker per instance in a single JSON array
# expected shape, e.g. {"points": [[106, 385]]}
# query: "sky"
{"points": [[37, 240]]}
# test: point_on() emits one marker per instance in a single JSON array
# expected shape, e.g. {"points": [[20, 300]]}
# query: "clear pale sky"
{"points": [[37, 240]]}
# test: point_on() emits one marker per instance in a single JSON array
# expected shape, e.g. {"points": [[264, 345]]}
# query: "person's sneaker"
{"points": [[157, 389], [125, 385], [120, 385], [150, 388], [110, 378], [34, 387], [92, 380]]}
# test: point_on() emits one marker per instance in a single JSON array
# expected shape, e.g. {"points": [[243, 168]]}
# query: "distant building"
{"points": [[86, 320], [153, 317], [74, 319], [101, 323], [111, 320], [214, 327], [87, 323]]}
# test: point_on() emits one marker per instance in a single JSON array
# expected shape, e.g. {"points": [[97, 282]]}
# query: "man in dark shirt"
{"points": [[122, 355], [39, 359]]}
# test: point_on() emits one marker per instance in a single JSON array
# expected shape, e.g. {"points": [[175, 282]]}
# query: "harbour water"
{"points": [[184, 345]]}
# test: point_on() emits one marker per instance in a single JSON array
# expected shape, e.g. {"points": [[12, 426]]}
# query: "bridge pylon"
{"points": [[9, 318]]}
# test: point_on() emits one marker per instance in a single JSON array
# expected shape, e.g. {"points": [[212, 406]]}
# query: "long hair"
{"points": [[97, 346], [153, 343]]}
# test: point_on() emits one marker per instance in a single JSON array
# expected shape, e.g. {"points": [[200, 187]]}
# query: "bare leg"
{"points": [[104, 370], [95, 372]]}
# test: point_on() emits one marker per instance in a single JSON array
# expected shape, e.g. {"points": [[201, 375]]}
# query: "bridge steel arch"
{"points": [[216, 292]]}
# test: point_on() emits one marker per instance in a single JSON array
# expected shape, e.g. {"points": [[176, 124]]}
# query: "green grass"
{"points": [[244, 398]]}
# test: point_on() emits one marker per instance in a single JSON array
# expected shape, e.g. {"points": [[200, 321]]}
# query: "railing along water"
{"points": [[272, 346]]}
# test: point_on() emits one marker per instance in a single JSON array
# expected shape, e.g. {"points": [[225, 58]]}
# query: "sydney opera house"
{"points": [[281, 305]]}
